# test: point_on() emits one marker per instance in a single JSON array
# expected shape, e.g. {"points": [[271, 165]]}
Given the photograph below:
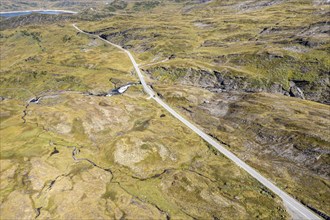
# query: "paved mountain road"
{"points": [[297, 210]]}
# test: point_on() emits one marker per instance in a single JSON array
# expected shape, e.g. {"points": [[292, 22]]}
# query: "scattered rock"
{"points": [[55, 151], [103, 103], [295, 91], [172, 57]]}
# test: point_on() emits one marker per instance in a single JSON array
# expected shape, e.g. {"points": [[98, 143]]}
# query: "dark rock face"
{"points": [[224, 81], [278, 89], [295, 91], [318, 91]]}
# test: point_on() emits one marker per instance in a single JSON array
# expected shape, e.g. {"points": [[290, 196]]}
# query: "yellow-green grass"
{"points": [[221, 36], [154, 161], [126, 133], [38, 59]]}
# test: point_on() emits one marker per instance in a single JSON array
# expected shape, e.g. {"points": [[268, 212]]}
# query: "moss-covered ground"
{"points": [[74, 155]]}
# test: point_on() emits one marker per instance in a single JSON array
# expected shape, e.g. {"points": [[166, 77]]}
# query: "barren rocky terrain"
{"points": [[287, 139]]}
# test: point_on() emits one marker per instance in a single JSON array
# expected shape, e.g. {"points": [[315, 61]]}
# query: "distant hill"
{"points": [[18, 5]]}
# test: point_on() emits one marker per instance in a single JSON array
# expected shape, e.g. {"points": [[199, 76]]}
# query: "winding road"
{"points": [[295, 208]]}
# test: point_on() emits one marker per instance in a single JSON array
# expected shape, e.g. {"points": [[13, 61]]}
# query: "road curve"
{"points": [[298, 210]]}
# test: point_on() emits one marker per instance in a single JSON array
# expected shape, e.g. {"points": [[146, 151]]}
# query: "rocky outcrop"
{"points": [[318, 91], [295, 91], [225, 81]]}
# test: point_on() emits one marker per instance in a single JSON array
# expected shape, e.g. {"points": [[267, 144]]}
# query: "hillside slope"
{"points": [[273, 46], [238, 69]]}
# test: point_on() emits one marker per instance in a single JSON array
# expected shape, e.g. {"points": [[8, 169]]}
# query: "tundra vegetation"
{"points": [[252, 74]]}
